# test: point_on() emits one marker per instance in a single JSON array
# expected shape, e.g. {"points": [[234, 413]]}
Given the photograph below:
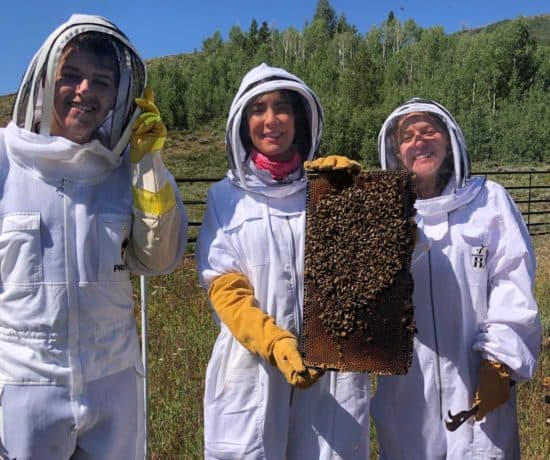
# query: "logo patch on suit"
{"points": [[479, 257]]}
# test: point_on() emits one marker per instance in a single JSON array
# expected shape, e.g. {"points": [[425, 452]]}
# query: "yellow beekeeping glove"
{"points": [[153, 193], [232, 297], [333, 163], [288, 360], [493, 388], [148, 131]]}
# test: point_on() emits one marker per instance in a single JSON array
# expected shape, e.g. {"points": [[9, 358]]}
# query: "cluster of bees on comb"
{"points": [[359, 241]]}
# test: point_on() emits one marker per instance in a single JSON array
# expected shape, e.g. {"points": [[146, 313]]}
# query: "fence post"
{"points": [[145, 360]]}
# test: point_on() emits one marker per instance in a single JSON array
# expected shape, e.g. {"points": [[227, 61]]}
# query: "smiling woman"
{"points": [[271, 123], [261, 400], [478, 324], [424, 149]]}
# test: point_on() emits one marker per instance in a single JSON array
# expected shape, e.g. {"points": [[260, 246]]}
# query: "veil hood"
{"points": [[388, 150], [262, 79], [33, 108]]}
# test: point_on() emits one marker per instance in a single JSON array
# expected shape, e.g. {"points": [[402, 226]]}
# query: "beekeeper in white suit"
{"points": [[479, 330], [79, 211], [260, 401]]}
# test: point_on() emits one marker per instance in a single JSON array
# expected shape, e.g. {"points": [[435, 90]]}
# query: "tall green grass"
{"points": [[181, 335], [534, 433]]}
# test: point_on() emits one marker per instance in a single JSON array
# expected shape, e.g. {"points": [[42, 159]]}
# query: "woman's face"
{"points": [[423, 146], [84, 94], [271, 125]]}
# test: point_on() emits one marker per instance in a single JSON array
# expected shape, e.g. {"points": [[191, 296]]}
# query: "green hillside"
{"points": [[539, 28], [486, 77]]}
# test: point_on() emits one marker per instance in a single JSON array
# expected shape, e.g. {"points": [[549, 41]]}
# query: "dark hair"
{"points": [[98, 44], [302, 133]]}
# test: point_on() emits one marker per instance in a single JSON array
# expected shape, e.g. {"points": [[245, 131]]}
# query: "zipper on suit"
{"points": [[64, 189], [436, 342]]}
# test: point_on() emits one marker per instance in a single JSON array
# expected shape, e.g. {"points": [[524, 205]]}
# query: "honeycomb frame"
{"points": [[353, 322]]}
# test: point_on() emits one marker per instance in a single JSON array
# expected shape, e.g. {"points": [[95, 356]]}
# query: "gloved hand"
{"points": [[148, 131], [333, 163], [153, 194], [493, 388], [232, 296], [289, 361]]}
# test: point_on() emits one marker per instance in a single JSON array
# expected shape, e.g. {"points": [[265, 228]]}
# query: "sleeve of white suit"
{"points": [[160, 225], [215, 254], [511, 332]]}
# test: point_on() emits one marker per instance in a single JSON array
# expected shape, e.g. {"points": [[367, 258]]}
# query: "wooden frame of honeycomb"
{"points": [[360, 233]]}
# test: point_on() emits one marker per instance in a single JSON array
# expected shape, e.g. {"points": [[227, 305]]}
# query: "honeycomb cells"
{"points": [[358, 311]]}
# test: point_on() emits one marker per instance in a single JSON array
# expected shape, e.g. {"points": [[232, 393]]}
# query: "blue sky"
{"points": [[165, 27]]}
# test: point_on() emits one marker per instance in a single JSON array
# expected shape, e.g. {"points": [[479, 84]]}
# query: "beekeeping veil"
{"points": [[389, 150], [262, 79], [33, 109]]}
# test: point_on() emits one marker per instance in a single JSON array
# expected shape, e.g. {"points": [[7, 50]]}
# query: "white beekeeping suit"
{"points": [[70, 234], [255, 226], [473, 296]]}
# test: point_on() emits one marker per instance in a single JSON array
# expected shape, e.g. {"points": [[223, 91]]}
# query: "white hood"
{"points": [[388, 151], [262, 79], [34, 103], [460, 189]]}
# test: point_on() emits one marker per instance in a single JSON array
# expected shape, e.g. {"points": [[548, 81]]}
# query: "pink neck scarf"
{"points": [[278, 170]]}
